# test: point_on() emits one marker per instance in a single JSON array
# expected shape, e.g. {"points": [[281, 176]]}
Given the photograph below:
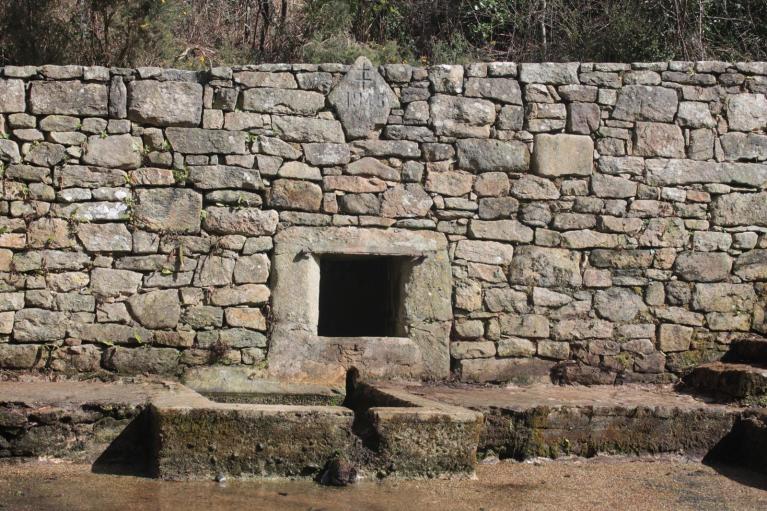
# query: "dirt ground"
{"points": [[601, 483]]}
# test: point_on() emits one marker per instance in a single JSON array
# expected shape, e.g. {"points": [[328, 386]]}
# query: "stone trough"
{"points": [[379, 430], [225, 425]]}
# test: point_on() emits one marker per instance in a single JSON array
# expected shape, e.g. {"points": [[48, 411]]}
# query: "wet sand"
{"points": [[671, 483]]}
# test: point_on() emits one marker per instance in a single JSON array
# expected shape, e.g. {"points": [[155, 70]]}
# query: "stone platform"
{"points": [[405, 430], [550, 420]]}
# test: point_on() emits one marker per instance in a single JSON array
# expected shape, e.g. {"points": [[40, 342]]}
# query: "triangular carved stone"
{"points": [[362, 100]]}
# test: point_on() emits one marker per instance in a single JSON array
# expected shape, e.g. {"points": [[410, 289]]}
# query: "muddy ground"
{"points": [[602, 483]]}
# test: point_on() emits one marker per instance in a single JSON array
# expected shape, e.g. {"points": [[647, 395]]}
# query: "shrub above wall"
{"points": [[609, 214]]}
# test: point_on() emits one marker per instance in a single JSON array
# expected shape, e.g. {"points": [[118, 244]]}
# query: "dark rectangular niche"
{"points": [[360, 296]]}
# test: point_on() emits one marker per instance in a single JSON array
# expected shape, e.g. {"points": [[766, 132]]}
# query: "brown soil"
{"points": [[671, 483]]}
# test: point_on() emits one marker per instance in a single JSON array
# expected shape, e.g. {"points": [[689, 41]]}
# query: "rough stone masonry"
{"points": [[610, 214]]}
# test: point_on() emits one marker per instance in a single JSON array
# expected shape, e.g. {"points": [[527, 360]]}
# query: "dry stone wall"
{"points": [[608, 214]]}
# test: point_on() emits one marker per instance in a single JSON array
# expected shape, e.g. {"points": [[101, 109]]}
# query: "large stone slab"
{"points": [[545, 267], [282, 101], [489, 155], [165, 103], [562, 155], [156, 309], [204, 141], [12, 96], [302, 129], [68, 98], [115, 151], [549, 72], [740, 209], [168, 209], [362, 100], [457, 116], [747, 112], [646, 103], [246, 221], [663, 172]]}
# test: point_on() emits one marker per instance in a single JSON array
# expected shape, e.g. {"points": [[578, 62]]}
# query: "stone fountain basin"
{"points": [[257, 428]]}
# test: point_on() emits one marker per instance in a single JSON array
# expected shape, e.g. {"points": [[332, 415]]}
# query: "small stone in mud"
{"points": [[338, 472]]}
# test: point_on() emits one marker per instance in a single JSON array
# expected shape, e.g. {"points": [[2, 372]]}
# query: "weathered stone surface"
{"points": [[156, 309], [248, 294], [446, 78], [662, 140], [516, 347], [115, 151], [740, 209], [646, 103], [505, 90], [326, 154], [613, 186], [488, 252], [746, 112], [168, 209], [362, 100], [246, 318], [549, 72], [672, 338], [214, 177], [534, 188], [451, 183], [49, 233], [456, 116], [752, 265], [203, 141], [265, 79], [703, 266], [618, 304], [214, 271], [408, 201], [282, 101], [252, 269], [695, 115], [583, 118], [142, 360], [165, 103], [12, 96], [545, 267], [107, 282], [18, 357], [578, 329], [372, 167], [290, 194], [723, 297], [39, 325], [501, 230], [561, 155], [68, 98], [302, 129], [246, 221], [46, 154], [524, 325], [482, 155], [682, 172]]}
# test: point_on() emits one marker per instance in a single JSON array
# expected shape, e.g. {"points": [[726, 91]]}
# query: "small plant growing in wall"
{"points": [[218, 351], [180, 176]]}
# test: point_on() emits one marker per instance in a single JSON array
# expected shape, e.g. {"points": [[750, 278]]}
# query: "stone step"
{"points": [[752, 350], [523, 422], [732, 380]]}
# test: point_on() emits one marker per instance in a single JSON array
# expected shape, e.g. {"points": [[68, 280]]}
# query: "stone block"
{"points": [[489, 155], [560, 155], [68, 98], [673, 338], [165, 103], [168, 209], [654, 139]]}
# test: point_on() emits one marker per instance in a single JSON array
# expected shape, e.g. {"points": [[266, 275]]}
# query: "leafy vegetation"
{"points": [[201, 33]]}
